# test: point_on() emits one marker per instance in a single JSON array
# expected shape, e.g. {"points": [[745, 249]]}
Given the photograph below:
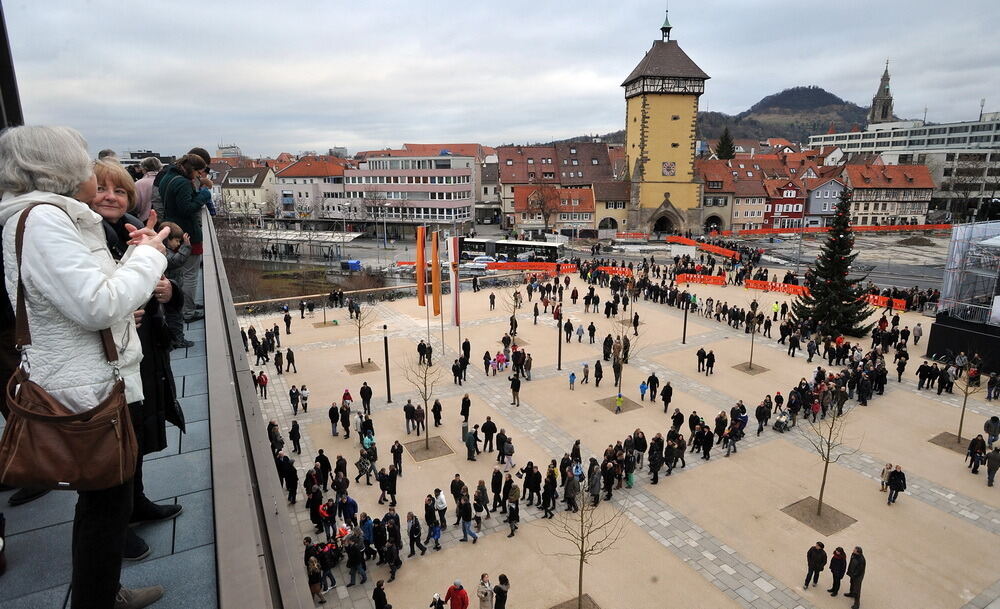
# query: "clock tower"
{"points": [[661, 110]]}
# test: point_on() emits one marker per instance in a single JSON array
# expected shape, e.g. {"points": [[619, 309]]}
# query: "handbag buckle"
{"points": [[117, 373]]}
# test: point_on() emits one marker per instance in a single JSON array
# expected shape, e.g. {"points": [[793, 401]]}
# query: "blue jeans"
{"points": [[359, 569], [467, 530], [328, 575]]}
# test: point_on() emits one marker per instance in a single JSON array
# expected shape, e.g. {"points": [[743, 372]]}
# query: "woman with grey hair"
{"points": [[74, 289]]}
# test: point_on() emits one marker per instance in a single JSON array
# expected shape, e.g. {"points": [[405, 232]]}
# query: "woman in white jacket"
{"points": [[73, 290]]}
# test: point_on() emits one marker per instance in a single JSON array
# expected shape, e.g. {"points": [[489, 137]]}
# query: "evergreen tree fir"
{"points": [[725, 149], [834, 301]]}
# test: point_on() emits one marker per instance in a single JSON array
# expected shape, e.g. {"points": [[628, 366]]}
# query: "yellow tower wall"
{"points": [[661, 128]]}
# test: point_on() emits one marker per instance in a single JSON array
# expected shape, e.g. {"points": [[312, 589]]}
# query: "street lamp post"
{"points": [[559, 339], [684, 336], [385, 346]]}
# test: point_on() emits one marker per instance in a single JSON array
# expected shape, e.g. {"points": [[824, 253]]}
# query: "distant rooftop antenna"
{"points": [[982, 104], [925, 114]]}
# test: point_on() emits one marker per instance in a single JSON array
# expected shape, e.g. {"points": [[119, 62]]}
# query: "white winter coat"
{"points": [[74, 289]]}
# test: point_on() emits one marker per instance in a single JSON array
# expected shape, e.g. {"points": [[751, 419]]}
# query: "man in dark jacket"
{"points": [[897, 484], [992, 465], [856, 572], [816, 562], [366, 398], [666, 395], [515, 388], [489, 429], [976, 453]]}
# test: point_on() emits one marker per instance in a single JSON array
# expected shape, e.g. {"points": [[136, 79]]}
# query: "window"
{"points": [[575, 202], [767, 207], [576, 162], [510, 162], [531, 175], [548, 175], [675, 145], [531, 161], [712, 184], [594, 162], [572, 150], [797, 207], [789, 194]]}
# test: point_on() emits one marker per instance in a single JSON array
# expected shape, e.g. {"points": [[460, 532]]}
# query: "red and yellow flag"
{"points": [[420, 271], [435, 274]]}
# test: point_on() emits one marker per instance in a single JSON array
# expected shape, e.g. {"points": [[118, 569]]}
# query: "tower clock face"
{"points": [[669, 168]]}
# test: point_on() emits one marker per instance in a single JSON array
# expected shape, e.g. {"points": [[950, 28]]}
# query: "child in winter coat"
{"points": [[177, 250]]}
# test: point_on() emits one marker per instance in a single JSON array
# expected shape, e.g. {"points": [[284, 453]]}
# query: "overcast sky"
{"points": [[310, 74]]}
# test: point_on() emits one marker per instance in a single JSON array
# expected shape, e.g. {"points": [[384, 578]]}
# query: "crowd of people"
{"points": [[103, 249]]}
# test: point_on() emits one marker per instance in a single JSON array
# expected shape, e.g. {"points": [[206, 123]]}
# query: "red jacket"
{"points": [[459, 598]]}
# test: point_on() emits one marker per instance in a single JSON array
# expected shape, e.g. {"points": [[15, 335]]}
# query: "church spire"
{"points": [[666, 27], [881, 110]]}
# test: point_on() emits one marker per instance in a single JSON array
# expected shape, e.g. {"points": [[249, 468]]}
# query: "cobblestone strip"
{"points": [[965, 508], [986, 599]]}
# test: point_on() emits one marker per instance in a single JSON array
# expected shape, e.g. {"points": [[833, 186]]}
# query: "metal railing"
{"points": [[258, 550]]}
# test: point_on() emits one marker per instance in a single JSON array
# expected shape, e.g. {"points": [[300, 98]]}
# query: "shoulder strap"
{"points": [[22, 334]]}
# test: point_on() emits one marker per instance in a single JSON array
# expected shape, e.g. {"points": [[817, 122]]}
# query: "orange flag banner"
{"points": [[435, 263], [420, 272]]}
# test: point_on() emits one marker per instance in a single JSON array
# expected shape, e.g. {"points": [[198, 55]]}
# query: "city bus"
{"points": [[524, 251]]}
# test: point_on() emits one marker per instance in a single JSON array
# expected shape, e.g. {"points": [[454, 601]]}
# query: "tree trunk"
{"points": [[427, 427], [583, 559], [961, 419], [361, 359], [822, 487]]}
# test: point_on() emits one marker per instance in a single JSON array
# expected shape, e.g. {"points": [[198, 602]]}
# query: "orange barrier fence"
{"points": [[706, 279], [774, 286], [883, 301], [703, 246], [631, 235], [681, 240], [823, 229], [551, 267], [616, 270], [715, 249]]}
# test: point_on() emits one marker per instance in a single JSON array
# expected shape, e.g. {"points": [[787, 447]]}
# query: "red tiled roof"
{"points": [[715, 171], [612, 191], [519, 168], [889, 176], [566, 195], [775, 187], [474, 150], [315, 167], [749, 188]]}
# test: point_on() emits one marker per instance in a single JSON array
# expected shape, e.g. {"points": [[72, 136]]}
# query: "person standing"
{"points": [[378, 594], [366, 398], [500, 592], [701, 359], [666, 395], [515, 388], [856, 573], [815, 561], [295, 436], [262, 383], [897, 484], [598, 373], [710, 363], [413, 534], [992, 465], [485, 592], [457, 596], [976, 453], [885, 477], [838, 565]]}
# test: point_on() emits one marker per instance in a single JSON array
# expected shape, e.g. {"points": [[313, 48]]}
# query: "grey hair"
{"points": [[151, 163], [49, 159], [106, 154]]}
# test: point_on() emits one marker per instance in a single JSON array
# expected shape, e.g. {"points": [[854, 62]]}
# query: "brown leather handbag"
{"points": [[45, 444]]}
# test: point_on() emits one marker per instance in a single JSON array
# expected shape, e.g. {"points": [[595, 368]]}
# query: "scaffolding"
{"points": [[971, 289]]}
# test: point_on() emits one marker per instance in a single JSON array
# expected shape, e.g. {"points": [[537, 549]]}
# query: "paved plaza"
{"points": [[712, 534]]}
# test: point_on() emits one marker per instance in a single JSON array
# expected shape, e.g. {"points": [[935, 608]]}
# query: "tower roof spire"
{"points": [[666, 27]]}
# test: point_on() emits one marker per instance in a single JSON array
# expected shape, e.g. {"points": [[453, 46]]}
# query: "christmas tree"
{"points": [[835, 301], [725, 149]]}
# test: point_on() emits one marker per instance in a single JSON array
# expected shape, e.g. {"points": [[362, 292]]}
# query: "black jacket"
{"points": [[816, 558]]}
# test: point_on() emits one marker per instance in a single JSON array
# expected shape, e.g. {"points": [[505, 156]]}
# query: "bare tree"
{"points": [[624, 328], [591, 531], [545, 200], [423, 379], [239, 251], [827, 438], [966, 388], [363, 318]]}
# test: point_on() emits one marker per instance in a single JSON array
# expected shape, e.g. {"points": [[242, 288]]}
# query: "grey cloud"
{"points": [[308, 75]]}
